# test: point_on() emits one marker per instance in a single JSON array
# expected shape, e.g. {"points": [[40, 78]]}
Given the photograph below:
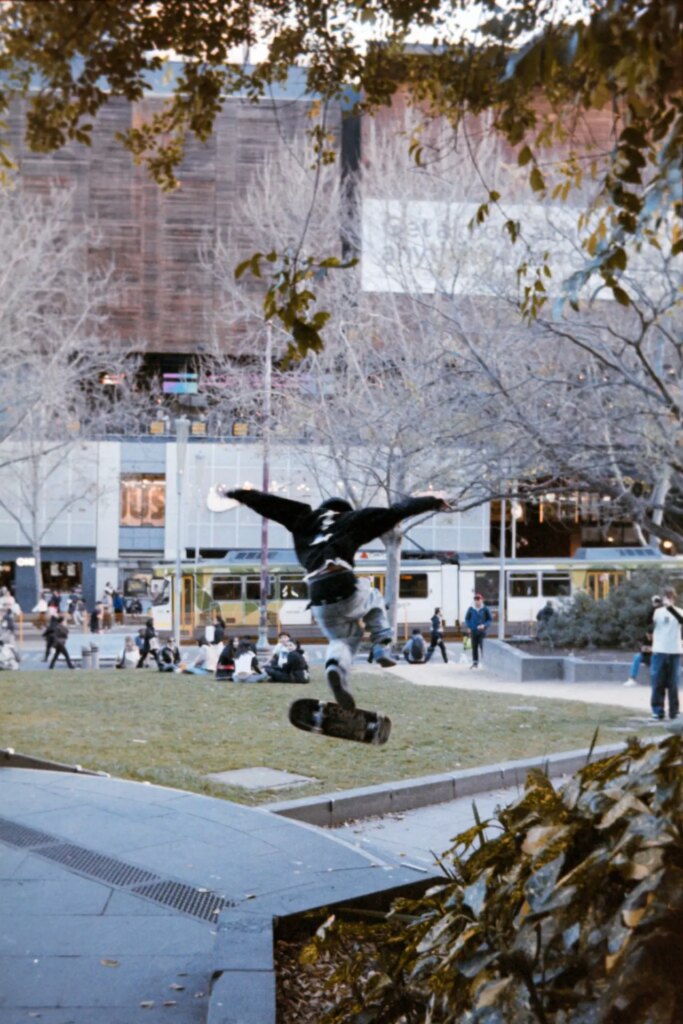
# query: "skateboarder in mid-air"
{"points": [[326, 540]]}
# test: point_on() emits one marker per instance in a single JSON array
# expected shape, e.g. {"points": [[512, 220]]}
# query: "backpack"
{"points": [[417, 648]]}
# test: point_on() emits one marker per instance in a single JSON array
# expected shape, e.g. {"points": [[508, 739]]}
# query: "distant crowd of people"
{"points": [[218, 655]]}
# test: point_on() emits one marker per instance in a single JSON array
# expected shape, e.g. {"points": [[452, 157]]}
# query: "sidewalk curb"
{"points": [[331, 809]]}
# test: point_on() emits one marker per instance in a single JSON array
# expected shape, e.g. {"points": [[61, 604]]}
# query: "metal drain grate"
{"points": [[96, 865], [22, 835], [187, 899]]}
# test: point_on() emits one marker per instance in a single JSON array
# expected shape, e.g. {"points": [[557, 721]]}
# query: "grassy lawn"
{"points": [[173, 730]]}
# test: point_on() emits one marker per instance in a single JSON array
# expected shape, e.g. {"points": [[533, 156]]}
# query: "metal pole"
{"points": [[198, 488], [501, 572], [262, 645], [182, 429]]}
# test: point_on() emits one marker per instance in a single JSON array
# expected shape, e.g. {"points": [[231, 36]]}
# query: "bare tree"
{"points": [[61, 385]]}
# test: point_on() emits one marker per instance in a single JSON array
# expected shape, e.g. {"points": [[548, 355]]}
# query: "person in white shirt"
{"points": [[667, 648]]}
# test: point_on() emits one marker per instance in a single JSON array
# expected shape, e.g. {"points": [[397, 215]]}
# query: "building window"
{"points": [[413, 585], [143, 499]]}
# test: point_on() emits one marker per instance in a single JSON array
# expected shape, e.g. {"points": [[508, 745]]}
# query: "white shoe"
{"points": [[631, 682]]}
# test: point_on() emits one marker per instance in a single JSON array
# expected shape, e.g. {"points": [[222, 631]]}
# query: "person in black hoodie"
{"points": [[326, 540], [60, 637], [150, 644]]}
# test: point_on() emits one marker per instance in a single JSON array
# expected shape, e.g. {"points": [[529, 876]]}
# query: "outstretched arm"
{"points": [[369, 523], [280, 510]]}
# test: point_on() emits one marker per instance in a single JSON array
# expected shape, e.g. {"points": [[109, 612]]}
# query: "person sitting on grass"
{"points": [[9, 657], [206, 661], [289, 665], [226, 660], [247, 668], [129, 654], [169, 656], [414, 650]]}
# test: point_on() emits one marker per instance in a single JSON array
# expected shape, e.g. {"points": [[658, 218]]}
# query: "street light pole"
{"points": [[182, 429], [262, 645], [501, 571]]}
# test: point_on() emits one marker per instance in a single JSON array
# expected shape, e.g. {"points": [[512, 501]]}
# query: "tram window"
{"points": [[293, 588], [254, 588], [413, 585], [227, 588], [523, 585], [556, 584]]}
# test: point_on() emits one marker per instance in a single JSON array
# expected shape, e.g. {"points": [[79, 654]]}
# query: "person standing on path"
{"points": [[59, 639], [436, 638], [477, 620], [666, 655]]}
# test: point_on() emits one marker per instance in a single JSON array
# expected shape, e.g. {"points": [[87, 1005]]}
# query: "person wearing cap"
{"points": [[477, 620], [326, 540]]}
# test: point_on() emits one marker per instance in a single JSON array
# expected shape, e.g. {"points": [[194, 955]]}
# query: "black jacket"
{"points": [[321, 535]]}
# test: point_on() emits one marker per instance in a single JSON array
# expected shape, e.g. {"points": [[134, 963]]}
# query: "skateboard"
{"points": [[330, 719]]}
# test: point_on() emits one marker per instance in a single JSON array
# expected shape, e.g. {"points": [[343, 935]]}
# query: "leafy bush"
{"points": [[619, 620], [571, 914]]}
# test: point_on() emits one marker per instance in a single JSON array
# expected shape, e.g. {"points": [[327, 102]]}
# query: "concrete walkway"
{"points": [[123, 902], [458, 676]]}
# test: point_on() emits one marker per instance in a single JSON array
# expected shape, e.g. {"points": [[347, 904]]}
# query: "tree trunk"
{"points": [[659, 496], [37, 571], [393, 542]]}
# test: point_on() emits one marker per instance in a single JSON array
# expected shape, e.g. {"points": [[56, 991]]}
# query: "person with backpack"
{"points": [[415, 650], [436, 638]]}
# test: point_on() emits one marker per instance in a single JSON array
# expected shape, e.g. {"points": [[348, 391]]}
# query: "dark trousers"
{"points": [[146, 650], [61, 649], [665, 671], [48, 647], [477, 646], [436, 640]]}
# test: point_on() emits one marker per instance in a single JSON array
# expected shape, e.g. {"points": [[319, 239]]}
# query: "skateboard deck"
{"points": [[330, 719]]}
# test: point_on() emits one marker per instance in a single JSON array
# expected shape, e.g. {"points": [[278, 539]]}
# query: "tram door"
{"points": [[187, 605], [599, 584]]}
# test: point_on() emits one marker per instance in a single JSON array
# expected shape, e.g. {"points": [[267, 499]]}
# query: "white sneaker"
{"points": [[631, 682]]}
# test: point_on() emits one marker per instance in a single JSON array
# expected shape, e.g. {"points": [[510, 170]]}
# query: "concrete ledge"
{"points": [[331, 809], [9, 758], [521, 667]]}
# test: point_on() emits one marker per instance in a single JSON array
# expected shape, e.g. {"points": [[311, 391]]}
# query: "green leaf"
{"points": [[525, 155], [536, 180], [620, 295]]}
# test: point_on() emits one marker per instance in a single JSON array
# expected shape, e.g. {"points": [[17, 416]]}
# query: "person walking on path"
{"points": [[49, 636], [436, 637], [666, 655], [150, 644], [60, 637], [477, 620], [644, 655], [326, 540]]}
